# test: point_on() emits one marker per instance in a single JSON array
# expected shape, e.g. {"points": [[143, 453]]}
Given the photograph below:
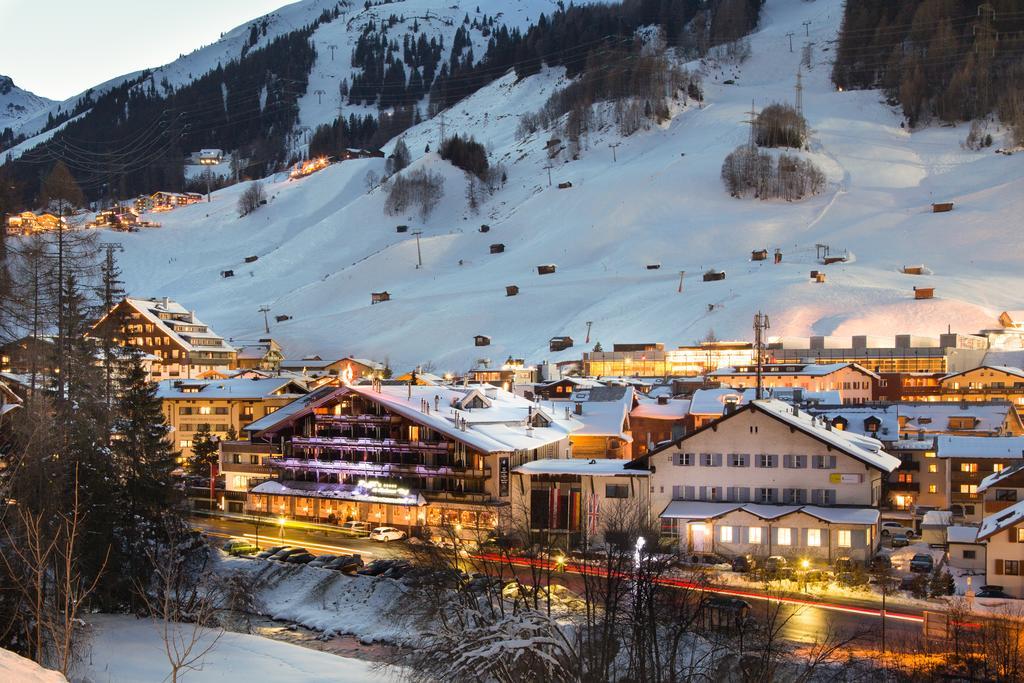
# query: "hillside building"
{"points": [[855, 384], [902, 353], [652, 360], [185, 346]]}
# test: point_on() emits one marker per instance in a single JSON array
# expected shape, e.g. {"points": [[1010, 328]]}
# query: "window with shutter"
{"points": [[677, 492], [717, 460], [707, 460], [816, 496], [787, 460], [730, 493], [1012, 533], [744, 494], [688, 492], [831, 462], [829, 497], [999, 567], [703, 492]]}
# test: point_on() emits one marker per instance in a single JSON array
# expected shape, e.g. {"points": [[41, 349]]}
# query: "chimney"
{"points": [[579, 408], [166, 302], [663, 400]]}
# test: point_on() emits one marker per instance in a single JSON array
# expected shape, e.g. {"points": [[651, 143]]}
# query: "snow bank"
{"points": [[16, 668], [124, 649]]}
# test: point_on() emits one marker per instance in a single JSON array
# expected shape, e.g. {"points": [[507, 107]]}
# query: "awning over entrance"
{"points": [[363, 492]]}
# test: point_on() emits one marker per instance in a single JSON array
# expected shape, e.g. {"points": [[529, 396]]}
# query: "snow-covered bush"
{"points": [[251, 199], [420, 189], [780, 125], [748, 171]]}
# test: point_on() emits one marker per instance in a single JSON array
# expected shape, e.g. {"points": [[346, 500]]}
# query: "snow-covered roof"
{"points": [[312, 489], [996, 478], [674, 409], [1016, 372], [1004, 519], [180, 324], [285, 412], [999, 447], [711, 402], [702, 510], [929, 416], [855, 415], [937, 518], [863, 448], [1005, 357], [605, 410], [962, 534], [582, 467], [797, 369], [233, 388]]}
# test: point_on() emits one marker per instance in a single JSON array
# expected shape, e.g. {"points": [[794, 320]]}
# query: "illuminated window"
{"points": [[184, 444], [204, 410], [754, 535], [933, 468], [932, 488], [969, 467], [785, 536], [929, 454], [414, 433], [844, 538], [968, 488], [814, 538], [998, 467], [725, 534]]}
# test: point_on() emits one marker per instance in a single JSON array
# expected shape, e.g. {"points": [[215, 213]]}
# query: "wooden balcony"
{"points": [[346, 444], [244, 468], [905, 486], [356, 419], [378, 469], [247, 447], [993, 506]]}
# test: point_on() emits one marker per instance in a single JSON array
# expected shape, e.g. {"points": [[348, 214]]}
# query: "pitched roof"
{"points": [[674, 409], [580, 466], [696, 510], [1016, 372], [1004, 519], [997, 478], [998, 447], [232, 388], [178, 323]]}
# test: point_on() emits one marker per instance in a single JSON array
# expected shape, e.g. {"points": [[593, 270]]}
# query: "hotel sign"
{"points": [[503, 476], [383, 489], [845, 478]]}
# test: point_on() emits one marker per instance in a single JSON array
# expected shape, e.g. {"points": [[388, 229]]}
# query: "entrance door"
{"points": [[699, 533]]}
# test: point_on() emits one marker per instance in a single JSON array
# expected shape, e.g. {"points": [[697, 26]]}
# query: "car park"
{"points": [[993, 591], [385, 534], [345, 563], [881, 562], [922, 563], [709, 560], [893, 529], [271, 551], [240, 546], [899, 541], [744, 563], [286, 553]]}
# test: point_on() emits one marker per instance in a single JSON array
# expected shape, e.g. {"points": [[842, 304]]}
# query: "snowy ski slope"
{"points": [[324, 243]]}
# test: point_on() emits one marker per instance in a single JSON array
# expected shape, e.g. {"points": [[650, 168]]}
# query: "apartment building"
{"points": [[768, 478], [900, 353], [653, 360], [968, 461], [854, 383], [1003, 534], [224, 405]]}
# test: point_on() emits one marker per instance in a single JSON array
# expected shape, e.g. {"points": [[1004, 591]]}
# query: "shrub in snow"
{"points": [[420, 189], [251, 199], [780, 125], [749, 171]]}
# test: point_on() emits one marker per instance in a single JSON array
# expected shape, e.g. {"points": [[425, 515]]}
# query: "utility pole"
{"points": [[790, 36], [681, 274], [332, 48], [613, 150], [419, 254], [807, 28], [760, 326], [266, 321], [441, 117], [799, 92], [319, 96], [548, 167], [808, 55], [587, 340], [753, 118]]}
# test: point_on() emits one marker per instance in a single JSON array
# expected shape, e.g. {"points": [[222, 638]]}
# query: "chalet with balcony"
{"points": [[265, 354], [1003, 534], [656, 420], [604, 413], [185, 346], [419, 457]]}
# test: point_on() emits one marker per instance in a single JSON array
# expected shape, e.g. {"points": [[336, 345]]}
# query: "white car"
{"points": [[386, 533], [896, 529]]}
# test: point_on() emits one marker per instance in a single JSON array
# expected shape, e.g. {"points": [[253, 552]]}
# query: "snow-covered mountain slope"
{"points": [[16, 104], [324, 242], [322, 100]]}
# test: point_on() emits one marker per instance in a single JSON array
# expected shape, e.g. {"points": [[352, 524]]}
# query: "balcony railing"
{"points": [[905, 486], [355, 419], [993, 506], [353, 445], [244, 468], [910, 466], [246, 447], [379, 468], [456, 496]]}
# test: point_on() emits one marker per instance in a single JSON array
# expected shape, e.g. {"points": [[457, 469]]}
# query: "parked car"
{"points": [[301, 557], [381, 567], [993, 591], [384, 534], [321, 560], [710, 560], [240, 546], [357, 529], [345, 563], [744, 563], [271, 551], [922, 563], [398, 569], [893, 529], [286, 553], [777, 567], [899, 541]]}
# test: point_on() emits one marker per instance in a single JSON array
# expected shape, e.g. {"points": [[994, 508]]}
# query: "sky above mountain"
{"points": [[61, 48]]}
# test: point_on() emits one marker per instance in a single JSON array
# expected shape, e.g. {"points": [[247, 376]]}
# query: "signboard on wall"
{"points": [[503, 477], [845, 478]]}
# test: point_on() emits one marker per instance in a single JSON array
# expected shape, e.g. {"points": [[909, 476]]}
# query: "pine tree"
{"points": [[144, 460], [204, 452]]}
